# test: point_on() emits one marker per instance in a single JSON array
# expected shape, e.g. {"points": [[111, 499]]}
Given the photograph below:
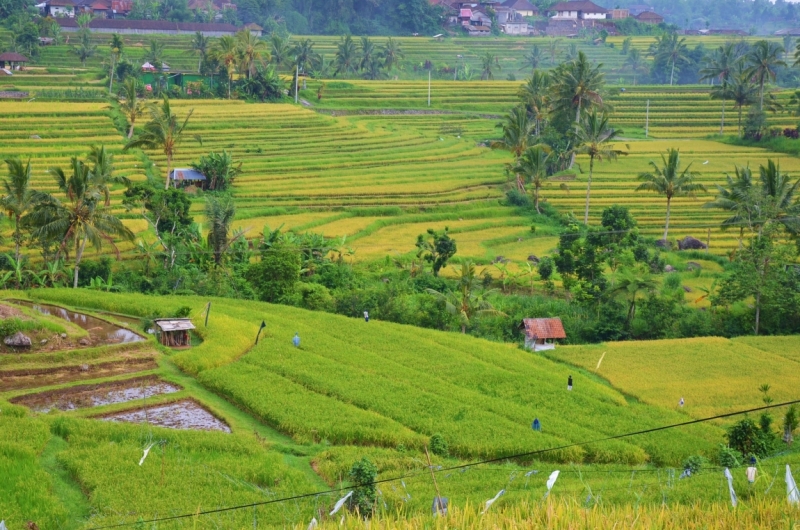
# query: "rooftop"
{"points": [[544, 328], [186, 174], [162, 25], [13, 57], [584, 6], [174, 324]]}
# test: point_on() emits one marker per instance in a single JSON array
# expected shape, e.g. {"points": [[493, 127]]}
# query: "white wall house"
{"points": [[582, 10]]}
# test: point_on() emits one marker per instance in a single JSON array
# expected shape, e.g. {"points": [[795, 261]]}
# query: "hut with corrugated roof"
{"points": [[542, 333], [174, 332]]}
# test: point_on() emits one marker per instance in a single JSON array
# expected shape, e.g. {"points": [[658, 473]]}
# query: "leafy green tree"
{"points": [[740, 90], [518, 135], [220, 213], [533, 59], [117, 47], [670, 181], [280, 50], [363, 475], [635, 63], [346, 59], [721, 66], [200, 46], [791, 420], [275, 276], [220, 170], [762, 63], [535, 96], [593, 138], [629, 284], [19, 199], [84, 49], [251, 51], [164, 131], [436, 249], [154, 54], [391, 53], [304, 55], [489, 63], [129, 104], [81, 219], [671, 49], [533, 167], [467, 302], [577, 87], [226, 52], [367, 53], [736, 198]]}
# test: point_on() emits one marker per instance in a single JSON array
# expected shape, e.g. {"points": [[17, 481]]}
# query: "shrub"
{"points": [[274, 277], [9, 326], [363, 475], [438, 445], [729, 457], [748, 438], [694, 463]]}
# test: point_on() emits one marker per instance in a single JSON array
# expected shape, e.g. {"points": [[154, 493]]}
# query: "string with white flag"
{"points": [[340, 503], [791, 487], [313, 524], [551, 482], [492, 501], [146, 452], [734, 500]]}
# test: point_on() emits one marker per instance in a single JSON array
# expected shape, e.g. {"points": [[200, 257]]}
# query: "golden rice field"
{"points": [[713, 375]]}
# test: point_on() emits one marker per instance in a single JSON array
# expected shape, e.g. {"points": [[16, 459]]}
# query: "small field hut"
{"points": [[174, 332], [182, 177], [14, 60], [542, 333]]}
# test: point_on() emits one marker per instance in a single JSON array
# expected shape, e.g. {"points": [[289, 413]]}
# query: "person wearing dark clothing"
{"points": [[569, 383], [366, 316]]}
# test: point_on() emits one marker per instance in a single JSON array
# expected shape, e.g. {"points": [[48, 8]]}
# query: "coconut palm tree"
{"points": [[488, 64], [670, 180], [19, 198], [532, 166], [777, 201], [164, 131], [220, 212], [552, 50], [81, 219], [200, 46], [367, 53], [280, 50], [593, 138], [736, 199], [672, 49], [85, 49], [629, 284], [533, 58], [252, 50], [117, 46], [346, 56], [129, 104], [304, 55], [577, 87], [155, 54], [740, 90], [762, 61], [518, 134], [721, 66], [635, 63], [466, 302], [102, 172], [227, 53], [535, 95], [392, 54]]}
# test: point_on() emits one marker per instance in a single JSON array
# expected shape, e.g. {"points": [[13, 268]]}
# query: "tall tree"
{"points": [[117, 46], [518, 134], [741, 91], [735, 198], [164, 131], [280, 50], [220, 212], [671, 49], [392, 53], [200, 47], [535, 95], [762, 63], [304, 55], [19, 198], [252, 50], [593, 138], [154, 54], [630, 283], [226, 53], [670, 181], [635, 63], [346, 56], [577, 87], [84, 49], [467, 302], [367, 53], [489, 62], [81, 219], [532, 166], [129, 104], [533, 58]]}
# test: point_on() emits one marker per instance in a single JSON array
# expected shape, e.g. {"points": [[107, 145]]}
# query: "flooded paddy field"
{"points": [[186, 414]]}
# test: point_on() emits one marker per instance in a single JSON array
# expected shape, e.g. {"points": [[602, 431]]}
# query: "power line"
{"points": [[453, 468]]}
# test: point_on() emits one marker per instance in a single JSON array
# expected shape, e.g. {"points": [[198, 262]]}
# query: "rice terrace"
{"points": [[399, 264]]}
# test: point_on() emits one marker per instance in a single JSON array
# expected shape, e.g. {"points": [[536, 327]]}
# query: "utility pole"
{"points": [[296, 80], [647, 121], [429, 88]]}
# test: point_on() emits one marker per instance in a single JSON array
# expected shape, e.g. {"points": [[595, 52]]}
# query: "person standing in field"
{"points": [[366, 316], [569, 383], [296, 340]]}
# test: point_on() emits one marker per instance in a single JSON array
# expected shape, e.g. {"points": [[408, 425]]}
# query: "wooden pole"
{"points": [[439, 504], [647, 121], [296, 80], [708, 241], [429, 88]]}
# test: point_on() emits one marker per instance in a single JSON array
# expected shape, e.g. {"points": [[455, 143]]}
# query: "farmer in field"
{"points": [[569, 383], [366, 316], [296, 340]]}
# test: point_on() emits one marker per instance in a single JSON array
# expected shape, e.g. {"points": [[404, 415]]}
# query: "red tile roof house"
{"points": [[541, 333]]}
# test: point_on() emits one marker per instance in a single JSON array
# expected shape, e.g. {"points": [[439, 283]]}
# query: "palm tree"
{"points": [[200, 46], [721, 65], [367, 52], [552, 50], [85, 49], [533, 58], [226, 53], [576, 87], [488, 63], [304, 54], [593, 138], [736, 199], [117, 46], [155, 54], [629, 284], [762, 61], [164, 131], [778, 199], [670, 181], [535, 95], [392, 54], [252, 50], [102, 172], [518, 132], [533, 166], [741, 91], [280, 50], [635, 63], [129, 103], [81, 219], [220, 212], [671, 49], [466, 303], [572, 52], [346, 56], [19, 198]]}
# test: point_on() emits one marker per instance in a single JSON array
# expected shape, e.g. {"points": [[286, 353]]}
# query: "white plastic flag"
{"points": [[3, 525], [146, 452], [791, 487], [728, 476], [551, 481], [313, 524], [340, 503], [492, 501]]}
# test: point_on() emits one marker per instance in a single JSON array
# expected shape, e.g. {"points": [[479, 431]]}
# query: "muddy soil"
{"points": [[100, 331], [87, 396], [7, 311], [185, 415], [37, 377]]}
